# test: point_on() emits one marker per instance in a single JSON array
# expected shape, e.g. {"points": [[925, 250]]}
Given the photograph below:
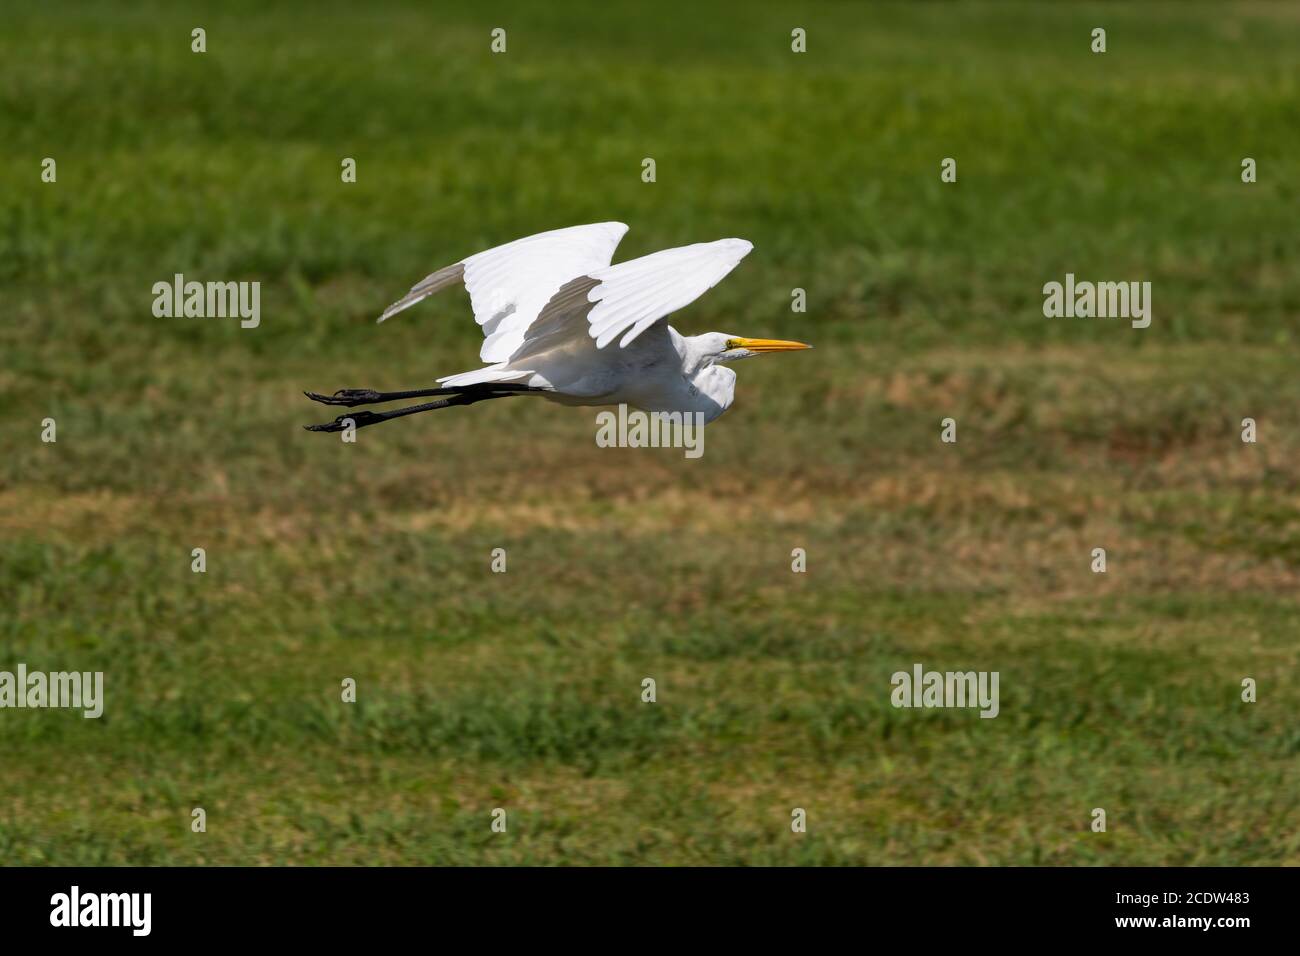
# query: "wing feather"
{"points": [[633, 295], [509, 285]]}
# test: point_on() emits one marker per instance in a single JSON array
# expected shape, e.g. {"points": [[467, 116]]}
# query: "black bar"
{"points": [[334, 905]]}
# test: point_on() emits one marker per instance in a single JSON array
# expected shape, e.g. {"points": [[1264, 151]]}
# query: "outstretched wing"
{"points": [[509, 285], [634, 295], [625, 300]]}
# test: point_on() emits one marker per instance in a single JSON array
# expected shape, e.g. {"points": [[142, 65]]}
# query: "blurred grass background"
{"points": [[521, 690]]}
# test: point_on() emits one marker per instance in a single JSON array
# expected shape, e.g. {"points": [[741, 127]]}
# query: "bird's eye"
{"points": [[731, 344]]}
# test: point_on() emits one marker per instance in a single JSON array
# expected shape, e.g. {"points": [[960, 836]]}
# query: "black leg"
{"points": [[362, 419], [368, 396]]}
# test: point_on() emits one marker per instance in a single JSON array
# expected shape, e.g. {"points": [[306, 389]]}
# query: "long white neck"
{"points": [[712, 387]]}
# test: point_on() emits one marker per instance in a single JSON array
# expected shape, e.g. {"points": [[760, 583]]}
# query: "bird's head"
{"points": [[721, 347]]}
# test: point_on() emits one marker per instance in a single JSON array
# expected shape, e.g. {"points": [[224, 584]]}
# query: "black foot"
{"points": [[359, 419], [347, 396]]}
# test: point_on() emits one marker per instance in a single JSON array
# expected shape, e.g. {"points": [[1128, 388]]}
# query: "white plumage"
{"points": [[560, 321]]}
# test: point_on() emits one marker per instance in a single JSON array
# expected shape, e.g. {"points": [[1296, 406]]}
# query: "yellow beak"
{"points": [[766, 345]]}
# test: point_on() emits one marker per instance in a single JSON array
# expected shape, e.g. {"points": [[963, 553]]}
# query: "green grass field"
{"points": [[522, 690]]}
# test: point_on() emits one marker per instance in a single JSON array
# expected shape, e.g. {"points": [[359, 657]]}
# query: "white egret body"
{"points": [[559, 321]]}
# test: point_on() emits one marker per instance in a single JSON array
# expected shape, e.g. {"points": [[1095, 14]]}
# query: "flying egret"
{"points": [[559, 321]]}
